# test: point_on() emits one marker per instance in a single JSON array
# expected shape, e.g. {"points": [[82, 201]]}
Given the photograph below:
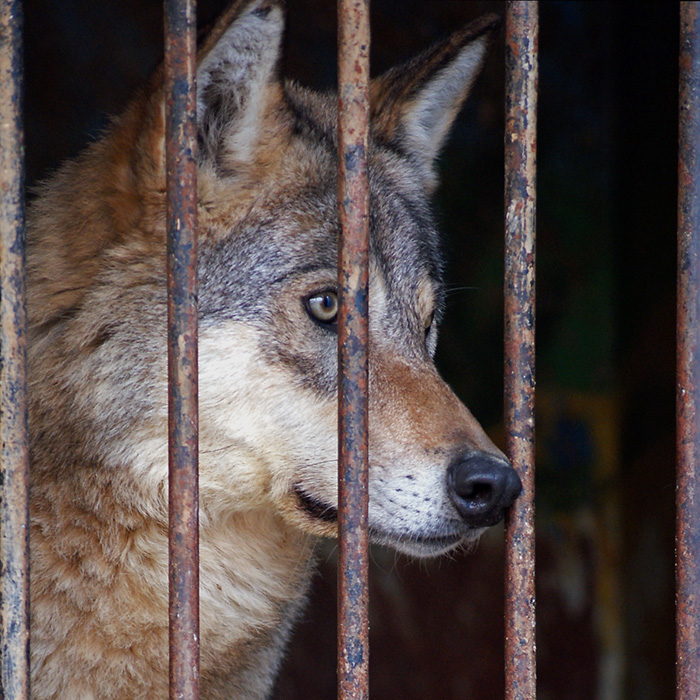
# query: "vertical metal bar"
{"points": [[181, 134], [688, 363], [14, 465], [353, 208], [520, 160]]}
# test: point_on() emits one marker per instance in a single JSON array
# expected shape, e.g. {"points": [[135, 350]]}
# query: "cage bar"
{"points": [[353, 209], [181, 169], [519, 369], [14, 465], [688, 367]]}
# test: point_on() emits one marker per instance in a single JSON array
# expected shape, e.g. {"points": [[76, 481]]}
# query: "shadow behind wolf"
{"points": [[268, 368]]}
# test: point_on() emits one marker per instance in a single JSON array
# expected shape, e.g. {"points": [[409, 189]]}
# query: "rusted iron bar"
{"points": [[14, 460], [688, 363], [520, 167], [180, 139], [353, 208]]}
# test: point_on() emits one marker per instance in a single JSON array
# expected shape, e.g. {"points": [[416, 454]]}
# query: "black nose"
{"points": [[481, 487]]}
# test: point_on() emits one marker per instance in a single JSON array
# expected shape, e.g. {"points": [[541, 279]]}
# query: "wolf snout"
{"points": [[481, 487]]}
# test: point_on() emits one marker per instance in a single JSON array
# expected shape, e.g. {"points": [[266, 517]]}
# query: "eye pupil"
{"points": [[323, 307]]}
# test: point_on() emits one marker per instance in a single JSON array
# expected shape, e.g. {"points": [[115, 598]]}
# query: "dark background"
{"points": [[605, 331]]}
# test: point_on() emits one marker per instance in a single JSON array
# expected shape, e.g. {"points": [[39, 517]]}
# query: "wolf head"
{"points": [[268, 227]]}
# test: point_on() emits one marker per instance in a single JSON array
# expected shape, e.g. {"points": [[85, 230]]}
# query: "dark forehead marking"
{"points": [[403, 233], [305, 122], [403, 237]]}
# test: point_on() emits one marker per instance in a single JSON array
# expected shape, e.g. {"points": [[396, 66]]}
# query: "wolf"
{"points": [[268, 226]]}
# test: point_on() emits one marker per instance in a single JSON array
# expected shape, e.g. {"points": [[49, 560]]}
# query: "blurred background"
{"points": [[605, 331]]}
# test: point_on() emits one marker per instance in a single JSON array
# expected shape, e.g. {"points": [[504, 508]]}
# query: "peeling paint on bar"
{"points": [[688, 367], [181, 139], [519, 371], [14, 461], [353, 207]]}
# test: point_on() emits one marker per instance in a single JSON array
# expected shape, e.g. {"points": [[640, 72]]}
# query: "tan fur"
{"points": [[268, 438]]}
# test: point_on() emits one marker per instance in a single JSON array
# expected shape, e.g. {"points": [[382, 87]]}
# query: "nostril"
{"points": [[475, 491], [481, 487]]}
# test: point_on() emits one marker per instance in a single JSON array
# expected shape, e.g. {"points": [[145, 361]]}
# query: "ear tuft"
{"points": [[233, 81], [415, 105]]}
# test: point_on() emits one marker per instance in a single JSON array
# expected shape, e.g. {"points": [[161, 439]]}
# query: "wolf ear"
{"points": [[236, 69], [415, 104]]}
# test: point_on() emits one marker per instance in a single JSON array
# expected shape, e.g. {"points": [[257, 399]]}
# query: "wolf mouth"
{"points": [[319, 510], [315, 508], [418, 545]]}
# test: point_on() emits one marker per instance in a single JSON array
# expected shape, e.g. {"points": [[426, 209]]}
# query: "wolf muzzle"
{"points": [[481, 487]]}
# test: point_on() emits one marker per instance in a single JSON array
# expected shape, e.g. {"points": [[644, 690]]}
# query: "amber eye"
{"points": [[323, 307]]}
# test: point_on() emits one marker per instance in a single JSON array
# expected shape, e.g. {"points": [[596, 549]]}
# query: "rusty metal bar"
{"points": [[353, 208], [181, 169], [14, 460], [520, 167], [688, 364]]}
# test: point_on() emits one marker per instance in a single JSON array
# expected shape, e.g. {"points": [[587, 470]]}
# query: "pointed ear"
{"points": [[235, 73], [415, 104]]}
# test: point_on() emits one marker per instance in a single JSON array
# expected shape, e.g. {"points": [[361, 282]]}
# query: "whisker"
{"points": [[452, 290]]}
